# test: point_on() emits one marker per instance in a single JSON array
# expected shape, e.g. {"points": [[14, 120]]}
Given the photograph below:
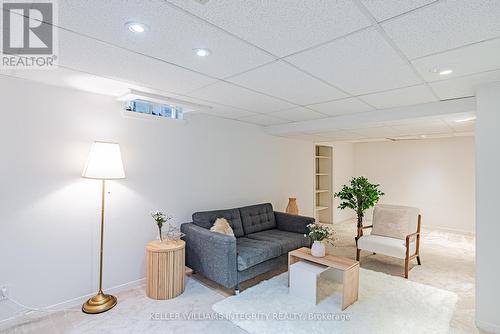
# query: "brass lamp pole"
{"points": [[104, 163]]}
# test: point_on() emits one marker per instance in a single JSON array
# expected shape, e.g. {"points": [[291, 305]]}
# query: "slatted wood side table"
{"points": [[165, 269]]}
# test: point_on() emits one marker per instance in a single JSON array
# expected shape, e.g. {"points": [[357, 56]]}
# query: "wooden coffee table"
{"points": [[348, 267]]}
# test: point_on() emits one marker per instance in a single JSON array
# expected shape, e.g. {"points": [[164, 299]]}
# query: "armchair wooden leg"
{"points": [[407, 263], [418, 260], [358, 252]]}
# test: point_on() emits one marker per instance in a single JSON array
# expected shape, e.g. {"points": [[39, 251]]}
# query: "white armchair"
{"points": [[395, 232]]}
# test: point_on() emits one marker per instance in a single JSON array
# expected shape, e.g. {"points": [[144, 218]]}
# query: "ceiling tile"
{"points": [[359, 63], [464, 86], [384, 9], [88, 55], [452, 118], [307, 137], [282, 80], [461, 126], [400, 97], [264, 120], [172, 36], [78, 80], [422, 127], [446, 25], [217, 109], [358, 127], [340, 135], [227, 112], [281, 26], [341, 107], [298, 114], [471, 59], [231, 95], [379, 132]]}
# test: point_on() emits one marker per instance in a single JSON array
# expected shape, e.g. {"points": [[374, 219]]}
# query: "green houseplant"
{"points": [[359, 196]]}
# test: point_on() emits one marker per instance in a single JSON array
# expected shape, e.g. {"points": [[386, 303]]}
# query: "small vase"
{"points": [[292, 207], [318, 249]]}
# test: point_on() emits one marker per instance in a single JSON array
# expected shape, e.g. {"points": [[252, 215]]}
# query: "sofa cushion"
{"points": [[385, 245], [206, 219], [287, 241], [256, 218], [251, 252]]}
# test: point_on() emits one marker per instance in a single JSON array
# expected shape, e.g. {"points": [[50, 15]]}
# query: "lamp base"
{"points": [[99, 303]]}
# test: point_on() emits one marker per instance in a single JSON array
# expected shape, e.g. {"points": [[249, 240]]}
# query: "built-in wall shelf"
{"points": [[323, 183]]}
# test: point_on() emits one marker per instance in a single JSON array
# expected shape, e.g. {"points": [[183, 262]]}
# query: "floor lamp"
{"points": [[104, 163]]}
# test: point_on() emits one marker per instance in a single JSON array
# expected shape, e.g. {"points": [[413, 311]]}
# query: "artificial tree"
{"points": [[360, 196]]}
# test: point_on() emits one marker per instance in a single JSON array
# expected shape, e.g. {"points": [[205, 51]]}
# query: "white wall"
{"points": [[49, 215], [343, 171], [488, 225], [435, 175]]}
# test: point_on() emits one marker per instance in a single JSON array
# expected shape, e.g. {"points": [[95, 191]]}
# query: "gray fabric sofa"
{"points": [[261, 243]]}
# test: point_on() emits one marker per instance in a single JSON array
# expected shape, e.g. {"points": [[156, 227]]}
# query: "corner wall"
{"points": [[49, 215]]}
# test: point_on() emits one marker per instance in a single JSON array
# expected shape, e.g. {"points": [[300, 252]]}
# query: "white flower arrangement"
{"points": [[160, 218], [319, 232]]}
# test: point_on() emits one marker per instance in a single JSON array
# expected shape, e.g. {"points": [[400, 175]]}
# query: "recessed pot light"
{"points": [[202, 52], [468, 119], [446, 72], [136, 27], [442, 71]]}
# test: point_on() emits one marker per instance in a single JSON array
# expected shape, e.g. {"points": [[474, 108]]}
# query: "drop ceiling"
{"points": [[277, 62]]}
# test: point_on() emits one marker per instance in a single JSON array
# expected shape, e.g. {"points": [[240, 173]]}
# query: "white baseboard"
{"points": [[77, 301], [488, 327], [80, 300]]}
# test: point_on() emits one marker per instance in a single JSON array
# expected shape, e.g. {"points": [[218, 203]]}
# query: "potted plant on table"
{"points": [[360, 196], [317, 234]]}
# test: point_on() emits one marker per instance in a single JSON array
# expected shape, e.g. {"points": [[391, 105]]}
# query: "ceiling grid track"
{"points": [[386, 37]]}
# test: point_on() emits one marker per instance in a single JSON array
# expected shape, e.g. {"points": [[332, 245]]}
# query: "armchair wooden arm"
{"points": [[417, 248], [360, 231], [409, 236]]}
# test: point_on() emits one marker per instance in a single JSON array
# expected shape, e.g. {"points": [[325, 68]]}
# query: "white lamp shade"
{"points": [[104, 162]]}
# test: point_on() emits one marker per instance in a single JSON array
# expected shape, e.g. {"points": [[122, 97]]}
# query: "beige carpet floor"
{"points": [[447, 263]]}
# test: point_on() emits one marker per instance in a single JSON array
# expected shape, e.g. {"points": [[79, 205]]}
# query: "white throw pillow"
{"points": [[222, 226]]}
